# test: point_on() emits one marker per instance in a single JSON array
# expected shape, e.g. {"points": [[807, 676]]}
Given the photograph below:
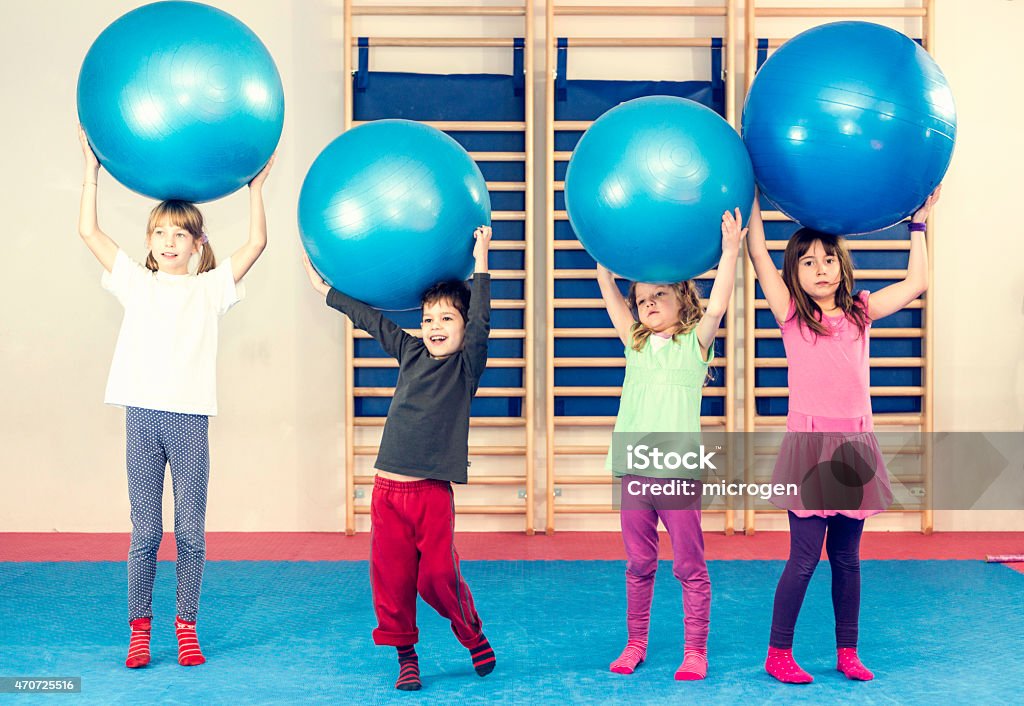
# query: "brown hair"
{"points": [[807, 310], [690, 312], [453, 291], [181, 214]]}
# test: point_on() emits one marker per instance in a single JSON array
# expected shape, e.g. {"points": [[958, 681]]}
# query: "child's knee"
{"points": [[642, 567], [690, 570], [146, 535], [190, 538], [803, 564]]}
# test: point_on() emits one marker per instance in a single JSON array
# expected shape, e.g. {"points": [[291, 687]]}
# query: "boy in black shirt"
{"points": [[423, 450]]}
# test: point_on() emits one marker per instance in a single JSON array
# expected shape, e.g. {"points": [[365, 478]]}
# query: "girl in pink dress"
{"points": [[829, 450]]}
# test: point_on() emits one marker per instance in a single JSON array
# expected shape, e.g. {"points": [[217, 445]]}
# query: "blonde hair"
{"points": [[181, 214], [690, 312], [806, 310]]}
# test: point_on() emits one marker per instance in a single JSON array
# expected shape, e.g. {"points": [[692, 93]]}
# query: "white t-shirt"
{"points": [[166, 353]]}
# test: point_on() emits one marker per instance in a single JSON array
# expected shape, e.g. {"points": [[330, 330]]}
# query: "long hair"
{"points": [[807, 310], [690, 312], [181, 214]]}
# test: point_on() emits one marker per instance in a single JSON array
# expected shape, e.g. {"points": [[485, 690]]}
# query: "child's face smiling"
{"points": [[819, 273], [443, 329], [657, 306], [171, 247]]}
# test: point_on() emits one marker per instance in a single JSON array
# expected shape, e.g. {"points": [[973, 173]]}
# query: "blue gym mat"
{"points": [[296, 632]]}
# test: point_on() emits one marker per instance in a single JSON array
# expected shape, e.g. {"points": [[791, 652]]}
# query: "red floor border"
{"points": [[510, 546]]}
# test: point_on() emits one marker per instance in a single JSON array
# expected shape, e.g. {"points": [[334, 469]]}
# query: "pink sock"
{"points": [[631, 657], [781, 665], [694, 666], [849, 664], [138, 647]]}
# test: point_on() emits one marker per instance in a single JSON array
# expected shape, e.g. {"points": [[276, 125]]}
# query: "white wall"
{"points": [[277, 444]]}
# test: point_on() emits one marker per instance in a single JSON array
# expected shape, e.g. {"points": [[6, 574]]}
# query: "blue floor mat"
{"points": [[296, 632]]}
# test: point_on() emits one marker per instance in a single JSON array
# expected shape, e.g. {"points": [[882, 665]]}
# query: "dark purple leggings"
{"points": [[842, 543]]}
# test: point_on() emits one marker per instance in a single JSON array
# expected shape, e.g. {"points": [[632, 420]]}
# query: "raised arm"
{"points": [[246, 256], [392, 338], [478, 319], [891, 299], [95, 239], [772, 284], [725, 281], [618, 311]]}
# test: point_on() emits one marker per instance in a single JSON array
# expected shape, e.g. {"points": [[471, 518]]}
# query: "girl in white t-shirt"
{"points": [[164, 375]]}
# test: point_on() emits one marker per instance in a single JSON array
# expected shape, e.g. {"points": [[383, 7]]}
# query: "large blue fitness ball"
{"points": [[388, 209], [647, 185], [850, 127], [180, 100]]}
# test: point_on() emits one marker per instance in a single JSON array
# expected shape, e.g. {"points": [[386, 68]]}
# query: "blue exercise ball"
{"points": [[388, 209], [180, 100], [647, 184], [850, 126]]}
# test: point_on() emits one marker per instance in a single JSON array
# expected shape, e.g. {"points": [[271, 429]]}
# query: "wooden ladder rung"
{"points": [[840, 12], [466, 125], [638, 11], [584, 509], [506, 186], [606, 479], [498, 156], [581, 450], [444, 10], [437, 41], [639, 42]]}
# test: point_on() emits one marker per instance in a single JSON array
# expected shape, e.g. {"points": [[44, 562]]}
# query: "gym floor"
{"points": [[286, 618]]}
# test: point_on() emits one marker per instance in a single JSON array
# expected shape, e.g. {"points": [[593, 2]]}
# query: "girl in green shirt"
{"points": [[669, 341]]}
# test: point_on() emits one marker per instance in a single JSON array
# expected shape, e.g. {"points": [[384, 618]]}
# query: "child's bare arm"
{"points": [[893, 298], [725, 281], [772, 284], [618, 311], [98, 242], [245, 257]]}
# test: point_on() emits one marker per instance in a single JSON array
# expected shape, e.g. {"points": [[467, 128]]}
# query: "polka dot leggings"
{"points": [[155, 440]]}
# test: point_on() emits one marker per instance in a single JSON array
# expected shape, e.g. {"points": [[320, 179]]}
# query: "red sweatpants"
{"points": [[412, 549]]}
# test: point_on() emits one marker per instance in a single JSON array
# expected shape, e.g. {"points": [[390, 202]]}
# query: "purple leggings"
{"points": [[640, 536], [842, 543]]}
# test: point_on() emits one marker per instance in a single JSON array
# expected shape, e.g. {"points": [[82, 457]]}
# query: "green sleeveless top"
{"points": [[661, 392]]}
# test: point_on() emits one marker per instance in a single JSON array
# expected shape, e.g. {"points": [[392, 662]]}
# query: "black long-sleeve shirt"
{"points": [[426, 434]]}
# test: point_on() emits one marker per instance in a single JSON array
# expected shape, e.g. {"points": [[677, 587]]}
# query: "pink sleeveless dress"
{"points": [[830, 451]]}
